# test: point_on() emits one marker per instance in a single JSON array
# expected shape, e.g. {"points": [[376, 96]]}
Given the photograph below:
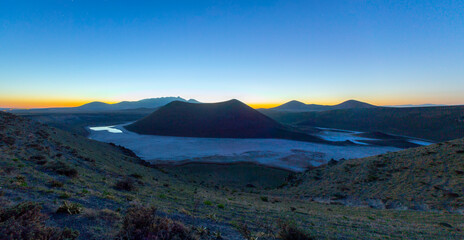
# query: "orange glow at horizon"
{"points": [[26, 103], [42, 103], [263, 105]]}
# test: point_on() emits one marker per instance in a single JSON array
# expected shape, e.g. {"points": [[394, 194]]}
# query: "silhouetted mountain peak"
{"points": [[229, 119]]}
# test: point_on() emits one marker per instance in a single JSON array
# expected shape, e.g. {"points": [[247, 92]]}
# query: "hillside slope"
{"points": [[99, 181], [231, 119], [419, 178]]}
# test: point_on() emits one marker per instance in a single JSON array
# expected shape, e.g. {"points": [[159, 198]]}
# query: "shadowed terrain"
{"points": [[433, 123]]}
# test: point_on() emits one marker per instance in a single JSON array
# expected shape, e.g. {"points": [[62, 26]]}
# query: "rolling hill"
{"points": [[296, 106], [231, 119], [423, 178]]}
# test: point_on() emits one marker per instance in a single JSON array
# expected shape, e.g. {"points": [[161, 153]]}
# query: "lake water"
{"points": [[110, 129], [287, 154]]}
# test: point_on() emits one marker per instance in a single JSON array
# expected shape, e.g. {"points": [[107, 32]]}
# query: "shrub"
{"points": [[54, 183], [62, 168], [208, 203], [243, 229], [264, 198], [25, 221], [290, 232], [136, 175], [221, 206], [65, 195], [142, 223], [107, 215], [39, 159], [69, 208], [125, 184]]}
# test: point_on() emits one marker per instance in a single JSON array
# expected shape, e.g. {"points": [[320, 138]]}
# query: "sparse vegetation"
{"points": [[69, 208], [25, 221], [193, 193], [62, 169], [142, 223], [290, 232], [126, 184], [55, 184]]}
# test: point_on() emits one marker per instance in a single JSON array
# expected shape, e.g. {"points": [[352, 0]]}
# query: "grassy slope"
{"points": [[100, 166], [433, 123], [432, 175]]}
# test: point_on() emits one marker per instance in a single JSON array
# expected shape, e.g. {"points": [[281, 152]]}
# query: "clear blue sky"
{"points": [[261, 52]]}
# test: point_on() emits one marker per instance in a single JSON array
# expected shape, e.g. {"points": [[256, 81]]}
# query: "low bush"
{"points": [[243, 229], [126, 184], [107, 215], [55, 184], [25, 221], [136, 175], [69, 208], [62, 168], [290, 232], [142, 223], [39, 159]]}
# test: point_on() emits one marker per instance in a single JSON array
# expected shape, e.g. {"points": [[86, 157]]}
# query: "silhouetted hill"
{"points": [[296, 106], [352, 104], [231, 119], [95, 106], [432, 123]]}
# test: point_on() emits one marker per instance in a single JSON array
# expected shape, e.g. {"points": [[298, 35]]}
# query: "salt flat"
{"points": [[287, 154]]}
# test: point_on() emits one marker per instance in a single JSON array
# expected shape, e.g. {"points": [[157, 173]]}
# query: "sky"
{"points": [[262, 52]]}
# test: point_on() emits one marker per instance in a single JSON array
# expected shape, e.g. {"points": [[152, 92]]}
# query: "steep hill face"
{"points": [[296, 106], [420, 178], [231, 119]]}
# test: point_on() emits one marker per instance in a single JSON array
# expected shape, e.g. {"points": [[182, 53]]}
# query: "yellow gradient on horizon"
{"points": [[41, 103], [263, 105]]}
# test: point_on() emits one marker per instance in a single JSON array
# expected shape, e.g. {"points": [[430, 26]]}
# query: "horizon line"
{"points": [[74, 104]]}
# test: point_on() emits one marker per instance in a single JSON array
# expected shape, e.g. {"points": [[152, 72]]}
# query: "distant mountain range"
{"points": [[296, 106], [230, 119], [144, 103], [149, 103]]}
